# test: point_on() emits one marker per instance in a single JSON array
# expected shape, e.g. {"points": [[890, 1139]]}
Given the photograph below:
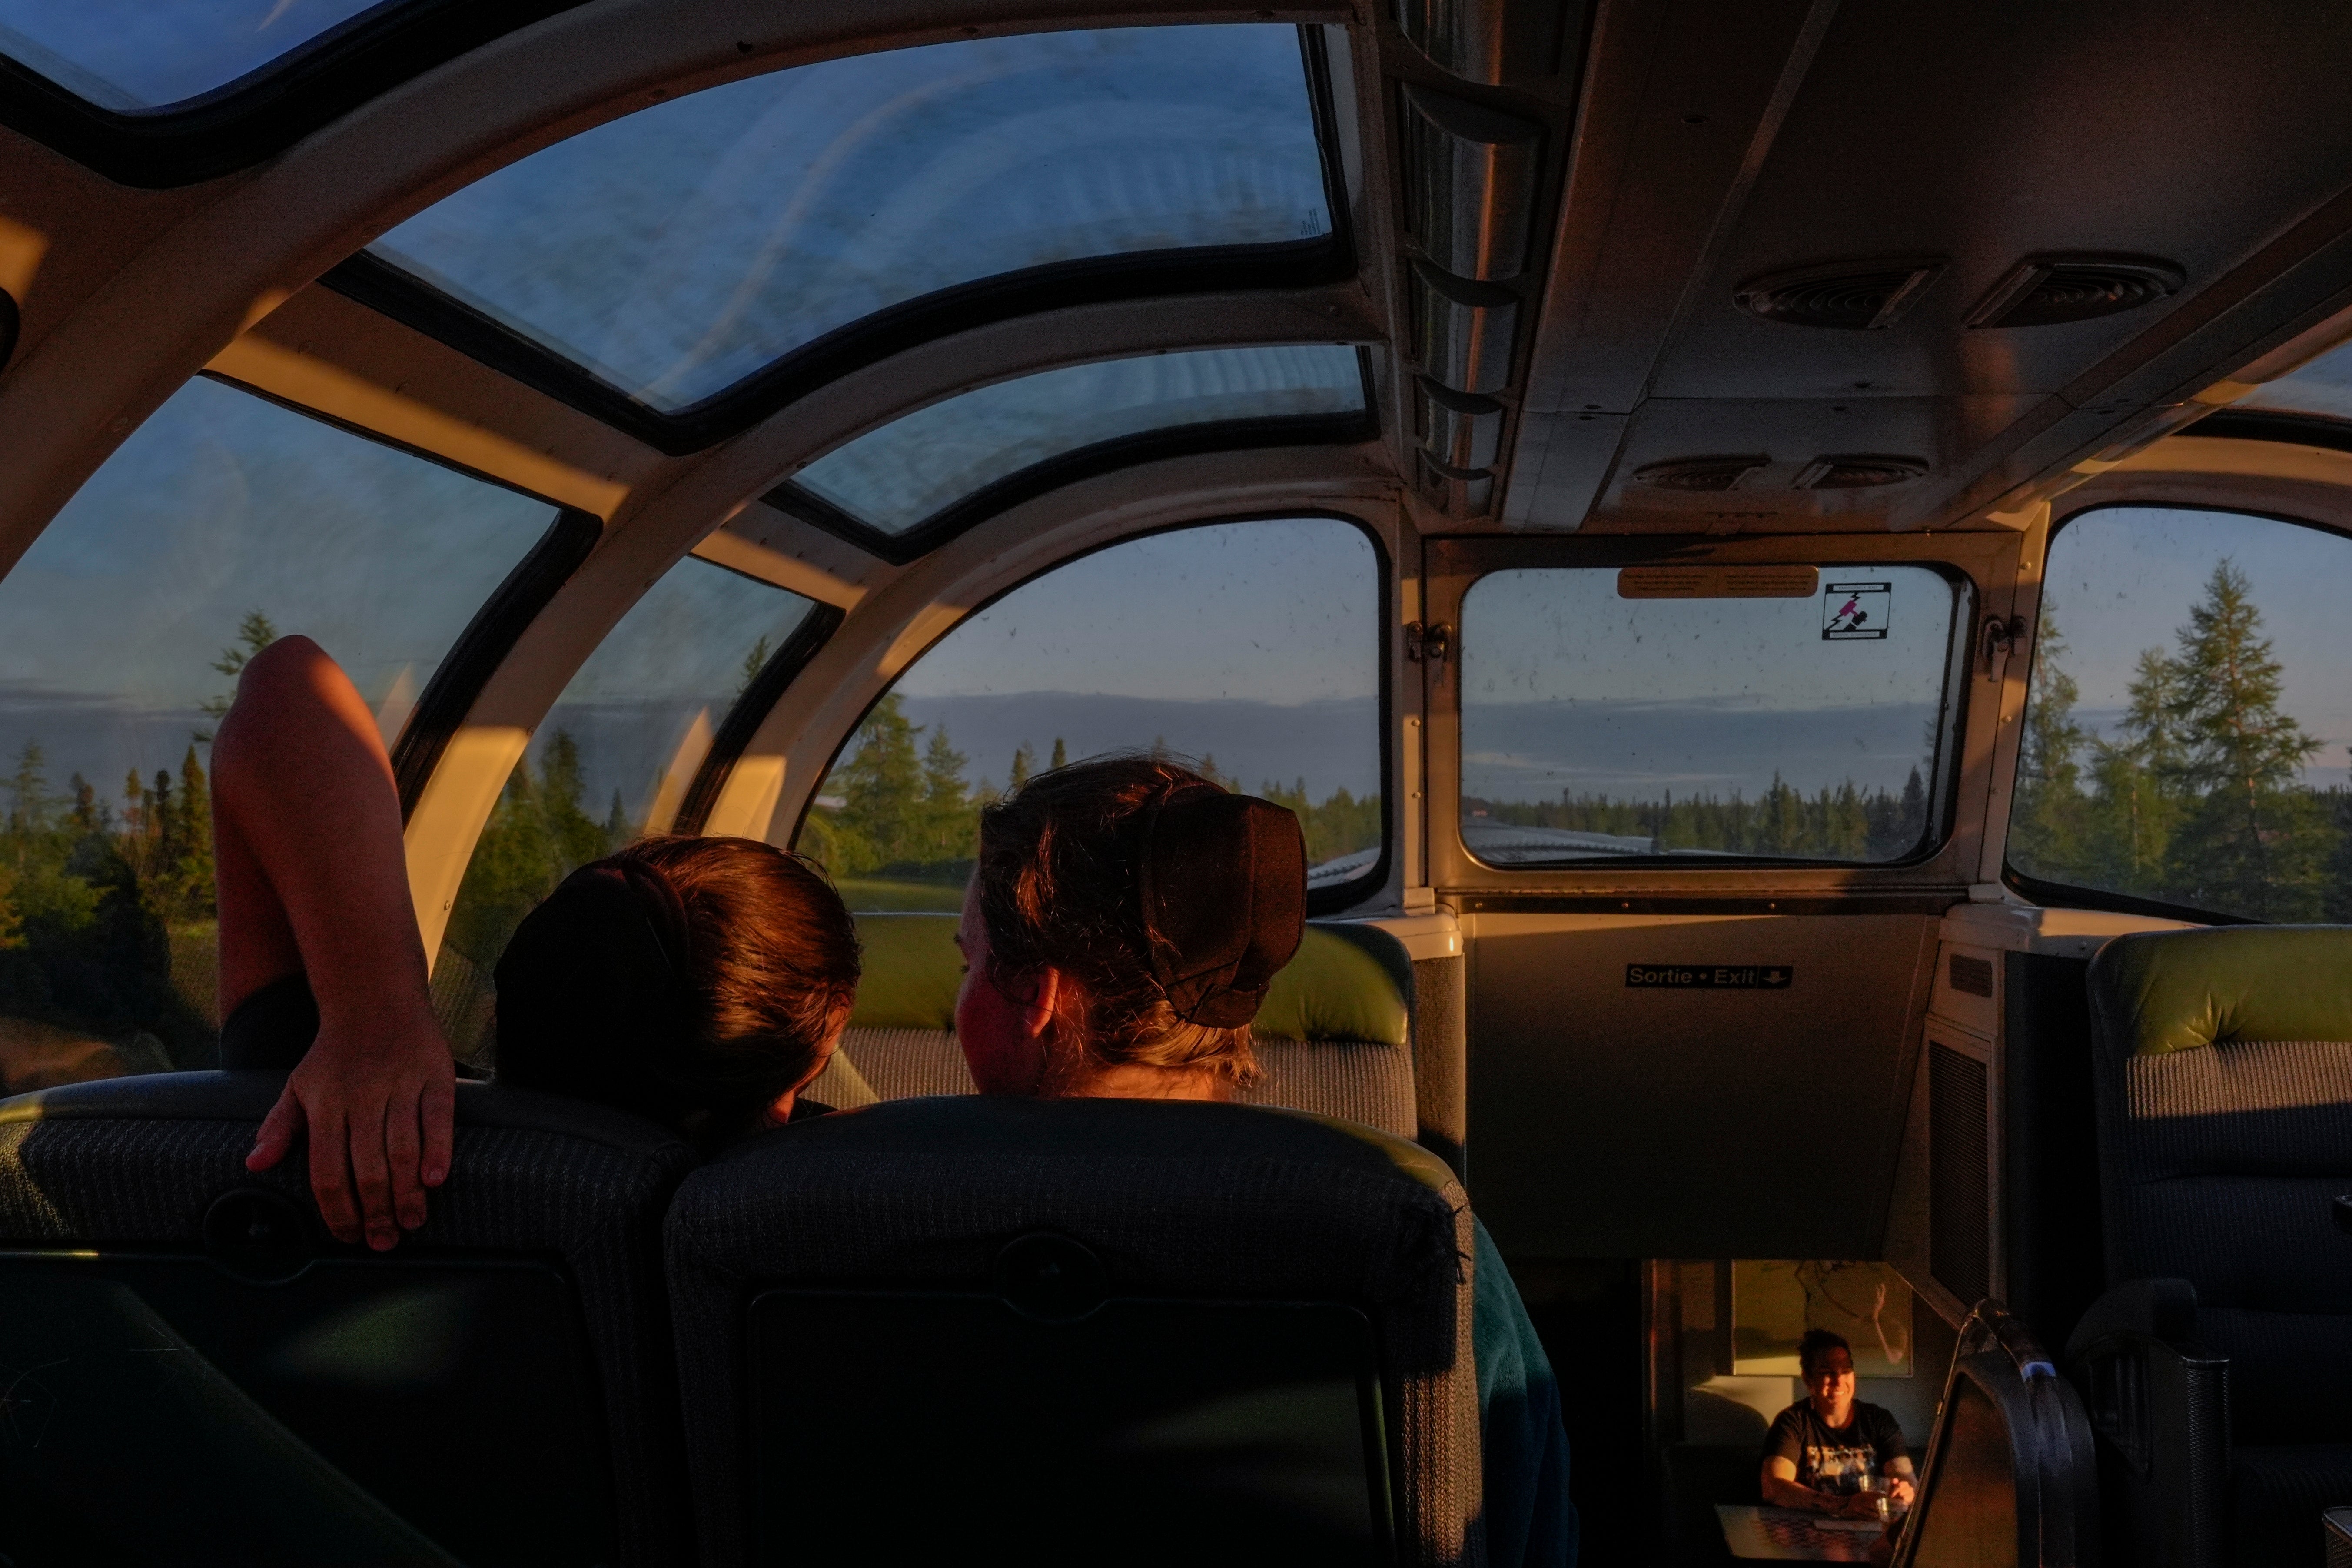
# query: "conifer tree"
{"points": [[253, 633], [753, 662], [573, 837], [1061, 753], [2253, 844], [2047, 818], [28, 792], [950, 823], [881, 785], [88, 812], [188, 878], [1024, 762]]}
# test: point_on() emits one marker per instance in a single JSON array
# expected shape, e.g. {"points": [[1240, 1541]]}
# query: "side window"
{"points": [[1196, 642], [612, 760], [1794, 714], [2184, 738], [222, 522]]}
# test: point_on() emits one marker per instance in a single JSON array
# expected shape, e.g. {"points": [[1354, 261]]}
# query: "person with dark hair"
{"points": [[1121, 929], [1829, 1452], [698, 982]]}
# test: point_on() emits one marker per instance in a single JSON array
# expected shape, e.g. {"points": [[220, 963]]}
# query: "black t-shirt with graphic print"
{"points": [[1836, 1459]]}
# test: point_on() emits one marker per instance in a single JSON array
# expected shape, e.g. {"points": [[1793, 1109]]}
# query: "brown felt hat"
{"points": [[1223, 883]]}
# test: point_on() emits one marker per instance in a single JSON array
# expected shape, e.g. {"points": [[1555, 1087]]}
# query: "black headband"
{"points": [[1221, 880], [593, 983]]}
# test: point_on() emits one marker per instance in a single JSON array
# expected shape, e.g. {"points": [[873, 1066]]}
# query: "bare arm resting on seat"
{"points": [[314, 882]]}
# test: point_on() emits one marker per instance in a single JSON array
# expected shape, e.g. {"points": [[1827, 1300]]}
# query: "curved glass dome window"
{"points": [[2322, 387], [668, 260], [616, 758], [138, 56], [222, 522], [900, 489]]}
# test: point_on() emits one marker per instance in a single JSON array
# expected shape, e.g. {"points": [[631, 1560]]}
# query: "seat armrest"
{"points": [[2159, 1405], [2162, 1310]]}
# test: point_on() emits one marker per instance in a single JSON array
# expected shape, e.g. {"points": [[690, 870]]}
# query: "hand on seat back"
{"points": [[377, 1100], [313, 880]]}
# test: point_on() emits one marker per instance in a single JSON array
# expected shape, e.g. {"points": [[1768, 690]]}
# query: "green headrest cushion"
{"points": [[2156, 991], [1346, 983]]}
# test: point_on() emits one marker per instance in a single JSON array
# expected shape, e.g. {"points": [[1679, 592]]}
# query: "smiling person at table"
{"points": [[1829, 1450]]}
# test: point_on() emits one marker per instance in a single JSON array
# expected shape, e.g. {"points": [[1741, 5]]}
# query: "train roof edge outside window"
{"points": [[683, 272], [904, 487]]}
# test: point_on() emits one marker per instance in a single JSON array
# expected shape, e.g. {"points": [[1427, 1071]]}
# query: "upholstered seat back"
{"points": [[2223, 1062], [204, 1375], [1333, 1037], [1099, 1331]]}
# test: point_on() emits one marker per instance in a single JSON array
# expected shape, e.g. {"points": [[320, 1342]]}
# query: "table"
{"points": [[1785, 1535]]}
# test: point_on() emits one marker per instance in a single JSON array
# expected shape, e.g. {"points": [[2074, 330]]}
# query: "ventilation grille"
{"points": [[1699, 473], [1959, 1185], [1972, 975], [1857, 473], [2044, 290], [1856, 296]]}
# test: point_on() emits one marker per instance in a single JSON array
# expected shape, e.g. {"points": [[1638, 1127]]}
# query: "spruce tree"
{"points": [[253, 633], [189, 876], [1024, 762], [2047, 819], [949, 823], [1061, 753], [573, 837], [2139, 781], [753, 662], [28, 792], [881, 786], [2254, 844]]}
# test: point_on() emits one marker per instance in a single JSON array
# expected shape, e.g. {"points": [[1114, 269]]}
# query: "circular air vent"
{"points": [[1698, 473], [1857, 473], [2044, 290], [1853, 295]]}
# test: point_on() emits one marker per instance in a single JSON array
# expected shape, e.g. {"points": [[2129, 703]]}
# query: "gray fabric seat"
{"points": [[1102, 1331], [498, 1389], [1334, 1037], [2223, 1067]]}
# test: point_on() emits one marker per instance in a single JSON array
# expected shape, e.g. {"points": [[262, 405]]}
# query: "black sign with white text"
{"points": [[1709, 976]]}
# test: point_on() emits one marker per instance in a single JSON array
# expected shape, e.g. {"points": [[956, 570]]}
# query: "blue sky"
{"points": [[2123, 579]]}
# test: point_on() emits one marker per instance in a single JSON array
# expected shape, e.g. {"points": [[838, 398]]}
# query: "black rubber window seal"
{"points": [[262, 113], [484, 645], [2275, 424], [750, 710]]}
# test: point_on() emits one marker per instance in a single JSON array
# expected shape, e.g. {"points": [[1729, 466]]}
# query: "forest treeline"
{"points": [[1843, 823], [899, 805], [106, 908], [2196, 795]]}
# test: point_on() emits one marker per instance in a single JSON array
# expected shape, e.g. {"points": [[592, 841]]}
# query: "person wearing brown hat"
{"points": [[1122, 927]]}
